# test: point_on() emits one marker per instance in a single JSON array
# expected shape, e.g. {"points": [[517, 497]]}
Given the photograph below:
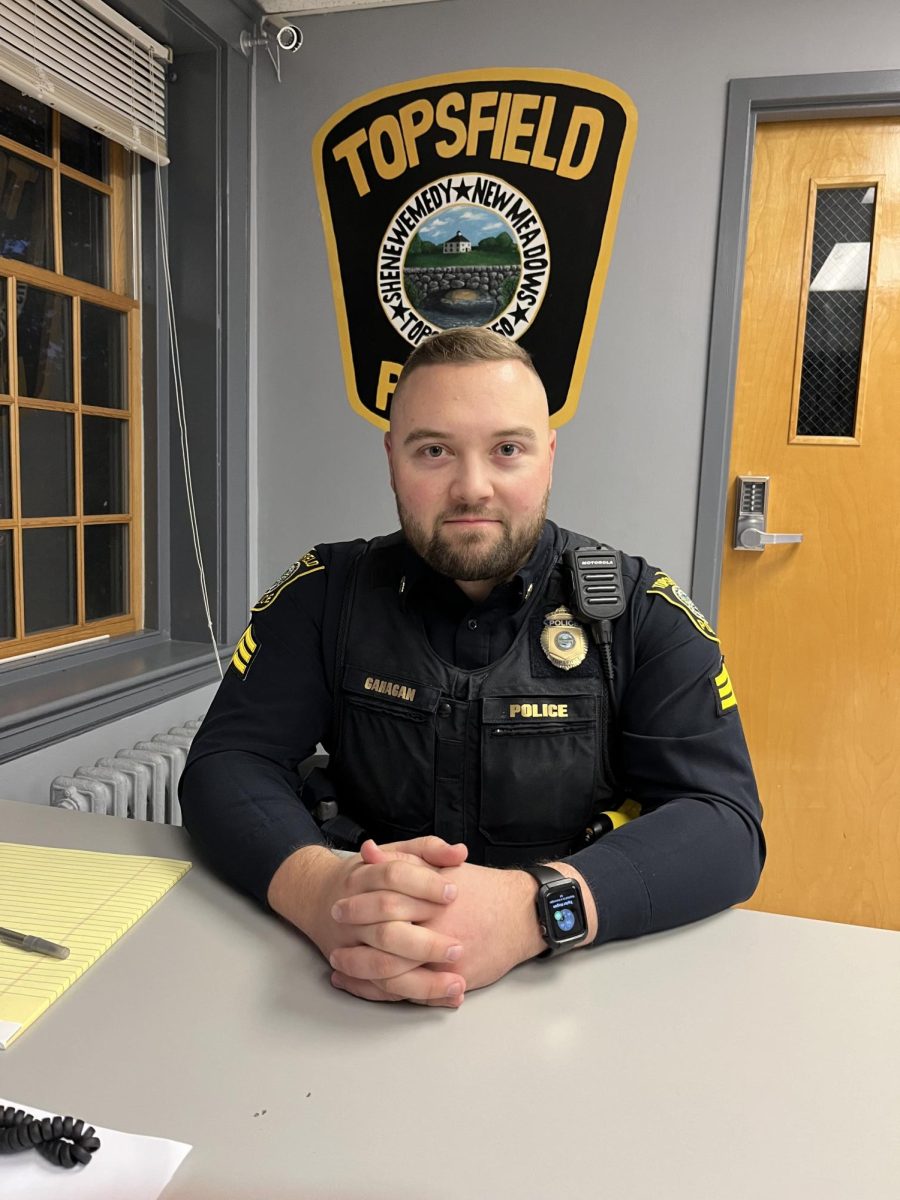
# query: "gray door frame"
{"points": [[782, 98]]}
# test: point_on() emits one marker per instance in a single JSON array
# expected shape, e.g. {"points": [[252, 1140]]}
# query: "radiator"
{"points": [[141, 783]]}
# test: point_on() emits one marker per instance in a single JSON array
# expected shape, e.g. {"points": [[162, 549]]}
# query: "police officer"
{"points": [[534, 780]]}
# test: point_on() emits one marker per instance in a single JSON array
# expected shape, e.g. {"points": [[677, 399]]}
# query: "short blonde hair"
{"points": [[467, 344]]}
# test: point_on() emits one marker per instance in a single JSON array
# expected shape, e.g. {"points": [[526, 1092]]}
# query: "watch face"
{"points": [[566, 913], [565, 919]]}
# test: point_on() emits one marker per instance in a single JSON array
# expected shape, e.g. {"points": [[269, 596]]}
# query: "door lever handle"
{"points": [[750, 510], [754, 538]]}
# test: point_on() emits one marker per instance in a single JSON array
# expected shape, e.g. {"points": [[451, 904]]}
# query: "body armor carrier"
{"points": [[511, 759]]}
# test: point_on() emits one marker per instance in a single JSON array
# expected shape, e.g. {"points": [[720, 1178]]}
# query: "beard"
{"points": [[476, 554]]}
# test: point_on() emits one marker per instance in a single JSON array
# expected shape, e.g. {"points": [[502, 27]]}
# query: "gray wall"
{"points": [[629, 460]]}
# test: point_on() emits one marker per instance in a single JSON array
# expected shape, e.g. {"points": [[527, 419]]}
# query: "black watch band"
{"points": [[544, 874], [560, 910]]}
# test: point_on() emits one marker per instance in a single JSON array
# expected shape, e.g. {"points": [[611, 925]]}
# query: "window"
{"points": [[206, 194], [70, 468]]}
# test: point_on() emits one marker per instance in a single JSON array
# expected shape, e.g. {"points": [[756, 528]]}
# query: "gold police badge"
{"points": [[563, 640]]}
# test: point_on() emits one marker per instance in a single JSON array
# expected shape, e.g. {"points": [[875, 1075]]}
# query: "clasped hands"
{"points": [[410, 920]]}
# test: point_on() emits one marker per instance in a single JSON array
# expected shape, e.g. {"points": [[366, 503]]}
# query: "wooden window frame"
{"points": [[119, 298]]}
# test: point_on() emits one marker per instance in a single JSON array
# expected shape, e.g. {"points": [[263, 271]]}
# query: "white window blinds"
{"points": [[82, 58]]}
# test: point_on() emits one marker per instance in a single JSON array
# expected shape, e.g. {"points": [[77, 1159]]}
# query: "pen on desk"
{"points": [[27, 941]]}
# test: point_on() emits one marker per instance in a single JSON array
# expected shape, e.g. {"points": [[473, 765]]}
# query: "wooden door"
{"points": [[812, 631]]}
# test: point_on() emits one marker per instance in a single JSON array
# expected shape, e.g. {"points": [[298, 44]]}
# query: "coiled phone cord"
{"points": [[61, 1140]]}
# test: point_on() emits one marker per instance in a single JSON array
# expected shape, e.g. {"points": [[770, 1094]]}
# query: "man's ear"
{"points": [[552, 444], [387, 450]]}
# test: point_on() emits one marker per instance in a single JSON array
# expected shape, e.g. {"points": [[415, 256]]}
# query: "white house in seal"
{"points": [[457, 245]]}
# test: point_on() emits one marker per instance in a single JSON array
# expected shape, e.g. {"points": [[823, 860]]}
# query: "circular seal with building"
{"points": [[463, 250]]}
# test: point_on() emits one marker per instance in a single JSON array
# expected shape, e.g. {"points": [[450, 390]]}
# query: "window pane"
{"points": [[105, 465], [26, 225], [105, 571], [7, 603], [49, 578], [47, 456], [4, 340], [82, 148], [103, 357], [23, 119], [45, 343], [5, 466], [84, 233], [835, 314]]}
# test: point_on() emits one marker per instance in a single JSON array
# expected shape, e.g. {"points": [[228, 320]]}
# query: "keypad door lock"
{"points": [[750, 510]]}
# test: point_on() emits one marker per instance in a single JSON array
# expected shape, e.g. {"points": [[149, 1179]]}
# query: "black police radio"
{"points": [[598, 597], [595, 579], [597, 593]]}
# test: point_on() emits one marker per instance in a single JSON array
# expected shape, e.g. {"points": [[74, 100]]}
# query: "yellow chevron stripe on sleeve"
{"points": [[725, 689], [244, 651]]}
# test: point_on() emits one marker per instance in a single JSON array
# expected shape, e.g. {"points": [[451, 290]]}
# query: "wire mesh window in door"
{"points": [[835, 313]]}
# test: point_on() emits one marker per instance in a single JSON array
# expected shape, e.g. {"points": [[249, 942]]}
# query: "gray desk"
{"points": [[748, 1056]]}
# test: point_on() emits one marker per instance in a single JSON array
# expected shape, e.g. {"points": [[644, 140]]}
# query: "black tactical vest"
{"points": [[511, 759]]}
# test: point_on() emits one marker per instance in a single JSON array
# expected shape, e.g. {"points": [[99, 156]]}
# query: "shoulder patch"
{"points": [[245, 651], [724, 689], [664, 585], [307, 565]]}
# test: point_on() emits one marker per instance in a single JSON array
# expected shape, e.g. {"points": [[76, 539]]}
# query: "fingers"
{"points": [[410, 878], [433, 850], [420, 985], [391, 948], [388, 896], [426, 986], [372, 853], [361, 987], [370, 908], [437, 852]]}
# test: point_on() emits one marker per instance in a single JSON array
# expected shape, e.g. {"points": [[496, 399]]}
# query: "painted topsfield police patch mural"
{"points": [[480, 198]]}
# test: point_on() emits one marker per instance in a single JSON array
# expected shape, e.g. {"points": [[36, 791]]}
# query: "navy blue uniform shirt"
{"points": [[697, 846]]}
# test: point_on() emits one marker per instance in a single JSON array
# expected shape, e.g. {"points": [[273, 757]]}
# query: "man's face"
{"points": [[471, 459]]}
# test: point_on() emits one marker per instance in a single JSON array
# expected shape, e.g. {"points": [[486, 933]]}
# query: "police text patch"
{"points": [[307, 565], [664, 585]]}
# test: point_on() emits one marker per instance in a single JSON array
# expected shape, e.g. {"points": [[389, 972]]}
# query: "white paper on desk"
{"points": [[128, 1166]]}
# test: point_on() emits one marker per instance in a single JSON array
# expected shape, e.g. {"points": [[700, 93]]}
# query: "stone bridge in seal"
{"points": [[434, 282]]}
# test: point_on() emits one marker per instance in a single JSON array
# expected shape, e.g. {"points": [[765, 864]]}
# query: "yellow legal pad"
{"points": [[78, 898]]}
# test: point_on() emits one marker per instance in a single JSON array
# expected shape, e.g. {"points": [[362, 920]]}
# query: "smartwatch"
{"points": [[560, 910]]}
